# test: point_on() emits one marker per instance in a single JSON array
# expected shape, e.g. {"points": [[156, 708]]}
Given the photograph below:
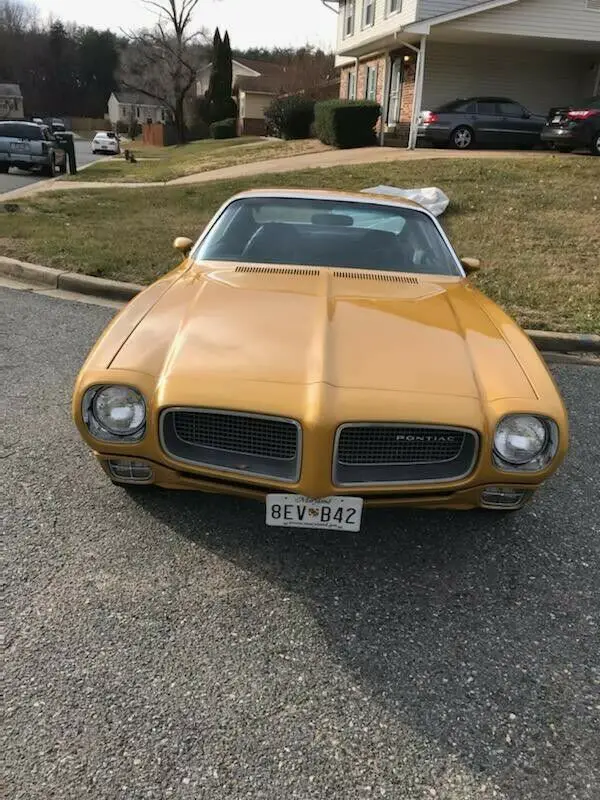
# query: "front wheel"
{"points": [[3, 169], [596, 145], [462, 138]]}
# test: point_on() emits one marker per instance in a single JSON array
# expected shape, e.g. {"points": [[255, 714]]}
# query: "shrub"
{"points": [[290, 117], [347, 123], [225, 129]]}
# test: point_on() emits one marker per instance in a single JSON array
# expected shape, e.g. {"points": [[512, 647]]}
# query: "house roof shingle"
{"points": [[131, 97]]}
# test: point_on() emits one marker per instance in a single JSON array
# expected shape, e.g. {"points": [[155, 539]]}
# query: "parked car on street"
{"points": [[466, 123], [574, 127], [322, 352], [27, 146], [106, 142]]}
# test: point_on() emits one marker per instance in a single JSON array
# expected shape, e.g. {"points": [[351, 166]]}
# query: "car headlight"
{"points": [[525, 443], [114, 413]]}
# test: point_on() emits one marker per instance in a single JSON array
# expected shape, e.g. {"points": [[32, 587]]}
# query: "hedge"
{"points": [[347, 123], [290, 117], [225, 129]]}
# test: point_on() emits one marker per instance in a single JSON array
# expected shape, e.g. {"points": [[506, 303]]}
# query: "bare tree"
{"points": [[164, 62]]}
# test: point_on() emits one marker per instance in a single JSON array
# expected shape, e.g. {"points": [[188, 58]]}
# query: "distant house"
{"points": [[125, 105], [11, 101], [256, 83]]}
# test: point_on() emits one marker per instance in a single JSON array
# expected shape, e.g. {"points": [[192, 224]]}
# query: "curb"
{"points": [[545, 341], [68, 281]]}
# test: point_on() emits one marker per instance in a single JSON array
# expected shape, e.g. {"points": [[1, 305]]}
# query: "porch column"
{"points": [[385, 105], [418, 94]]}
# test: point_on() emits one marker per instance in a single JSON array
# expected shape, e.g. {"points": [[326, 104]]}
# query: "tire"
{"points": [[462, 138], [596, 144], [63, 168], [50, 169], [3, 169]]}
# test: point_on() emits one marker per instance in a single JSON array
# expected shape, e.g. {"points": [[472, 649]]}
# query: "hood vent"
{"points": [[314, 273], [386, 277]]}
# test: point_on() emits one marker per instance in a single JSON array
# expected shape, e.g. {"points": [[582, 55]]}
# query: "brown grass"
{"points": [[534, 222]]}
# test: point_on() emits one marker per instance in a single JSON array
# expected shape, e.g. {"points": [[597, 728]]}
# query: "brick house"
{"points": [[410, 55]]}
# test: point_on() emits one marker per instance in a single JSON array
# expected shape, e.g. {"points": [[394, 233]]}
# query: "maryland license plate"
{"points": [[328, 513]]}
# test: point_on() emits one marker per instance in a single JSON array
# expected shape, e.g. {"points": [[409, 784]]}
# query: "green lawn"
{"points": [[533, 222], [162, 164]]}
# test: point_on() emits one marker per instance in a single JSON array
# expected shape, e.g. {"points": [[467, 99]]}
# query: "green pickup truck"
{"points": [[28, 146]]}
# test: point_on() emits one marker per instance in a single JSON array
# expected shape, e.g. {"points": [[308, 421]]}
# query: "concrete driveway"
{"points": [[170, 646], [16, 179]]}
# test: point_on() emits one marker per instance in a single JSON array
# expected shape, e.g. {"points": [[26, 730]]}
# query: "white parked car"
{"points": [[106, 142]]}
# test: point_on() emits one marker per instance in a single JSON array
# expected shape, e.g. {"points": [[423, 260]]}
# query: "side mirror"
{"points": [[183, 244], [526, 115], [471, 265]]}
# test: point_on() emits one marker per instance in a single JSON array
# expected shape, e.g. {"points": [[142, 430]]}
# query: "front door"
{"points": [[395, 93]]}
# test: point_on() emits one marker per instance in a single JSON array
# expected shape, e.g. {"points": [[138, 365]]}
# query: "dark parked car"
{"points": [[27, 146], [465, 123], [573, 127]]}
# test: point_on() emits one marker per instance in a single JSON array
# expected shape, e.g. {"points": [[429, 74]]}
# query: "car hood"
{"points": [[345, 328]]}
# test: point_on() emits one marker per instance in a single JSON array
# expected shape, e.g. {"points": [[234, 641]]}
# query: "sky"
{"points": [[251, 23]]}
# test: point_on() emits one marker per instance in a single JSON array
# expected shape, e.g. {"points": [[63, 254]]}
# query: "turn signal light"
{"points": [[430, 116]]}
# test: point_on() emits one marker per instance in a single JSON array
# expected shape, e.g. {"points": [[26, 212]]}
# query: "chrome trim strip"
{"points": [[225, 412], [467, 431]]}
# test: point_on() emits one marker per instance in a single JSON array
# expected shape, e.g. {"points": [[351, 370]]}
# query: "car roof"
{"points": [[21, 122], [330, 194]]}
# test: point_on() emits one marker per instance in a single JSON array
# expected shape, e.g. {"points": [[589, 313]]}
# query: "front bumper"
{"points": [[465, 498]]}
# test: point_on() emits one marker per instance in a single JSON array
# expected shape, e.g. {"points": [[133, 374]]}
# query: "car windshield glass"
{"points": [[20, 131], [328, 233]]}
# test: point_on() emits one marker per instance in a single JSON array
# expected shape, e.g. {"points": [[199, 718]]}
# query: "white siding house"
{"points": [[542, 53], [125, 106]]}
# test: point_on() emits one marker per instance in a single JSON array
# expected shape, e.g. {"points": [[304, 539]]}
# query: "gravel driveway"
{"points": [[169, 645]]}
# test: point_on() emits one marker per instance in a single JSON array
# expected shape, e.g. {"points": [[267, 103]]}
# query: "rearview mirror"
{"points": [[183, 244], [471, 265]]}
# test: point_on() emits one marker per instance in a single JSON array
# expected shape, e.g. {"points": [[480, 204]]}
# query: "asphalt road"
{"points": [[17, 178], [169, 645]]}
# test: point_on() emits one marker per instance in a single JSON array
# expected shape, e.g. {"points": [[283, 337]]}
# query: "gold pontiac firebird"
{"points": [[321, 352]]}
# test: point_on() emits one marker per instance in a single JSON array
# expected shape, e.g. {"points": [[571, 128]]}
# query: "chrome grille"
{"points": [[399, 453], [232, 441], [392, 445]]}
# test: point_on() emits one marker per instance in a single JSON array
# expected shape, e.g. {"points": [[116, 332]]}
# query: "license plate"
{"points": [[557, 118], [327, 513], [19, 147]]}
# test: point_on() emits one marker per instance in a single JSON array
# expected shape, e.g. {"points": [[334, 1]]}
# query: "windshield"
{"points": [[328, 233]]}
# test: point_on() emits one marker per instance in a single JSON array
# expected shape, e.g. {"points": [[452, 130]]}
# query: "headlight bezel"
{"points": [[542, 459], [100, 431]]}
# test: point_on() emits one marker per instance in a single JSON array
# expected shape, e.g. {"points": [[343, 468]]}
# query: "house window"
{"points": [[349, 17], [124, 112], [371, 83], [163, 115], [368, 13], [352, 85], [137, 112], [393, 7]]}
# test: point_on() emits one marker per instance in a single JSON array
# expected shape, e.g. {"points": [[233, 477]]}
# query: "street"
{"points": [[170, 645], [16, 178]]}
